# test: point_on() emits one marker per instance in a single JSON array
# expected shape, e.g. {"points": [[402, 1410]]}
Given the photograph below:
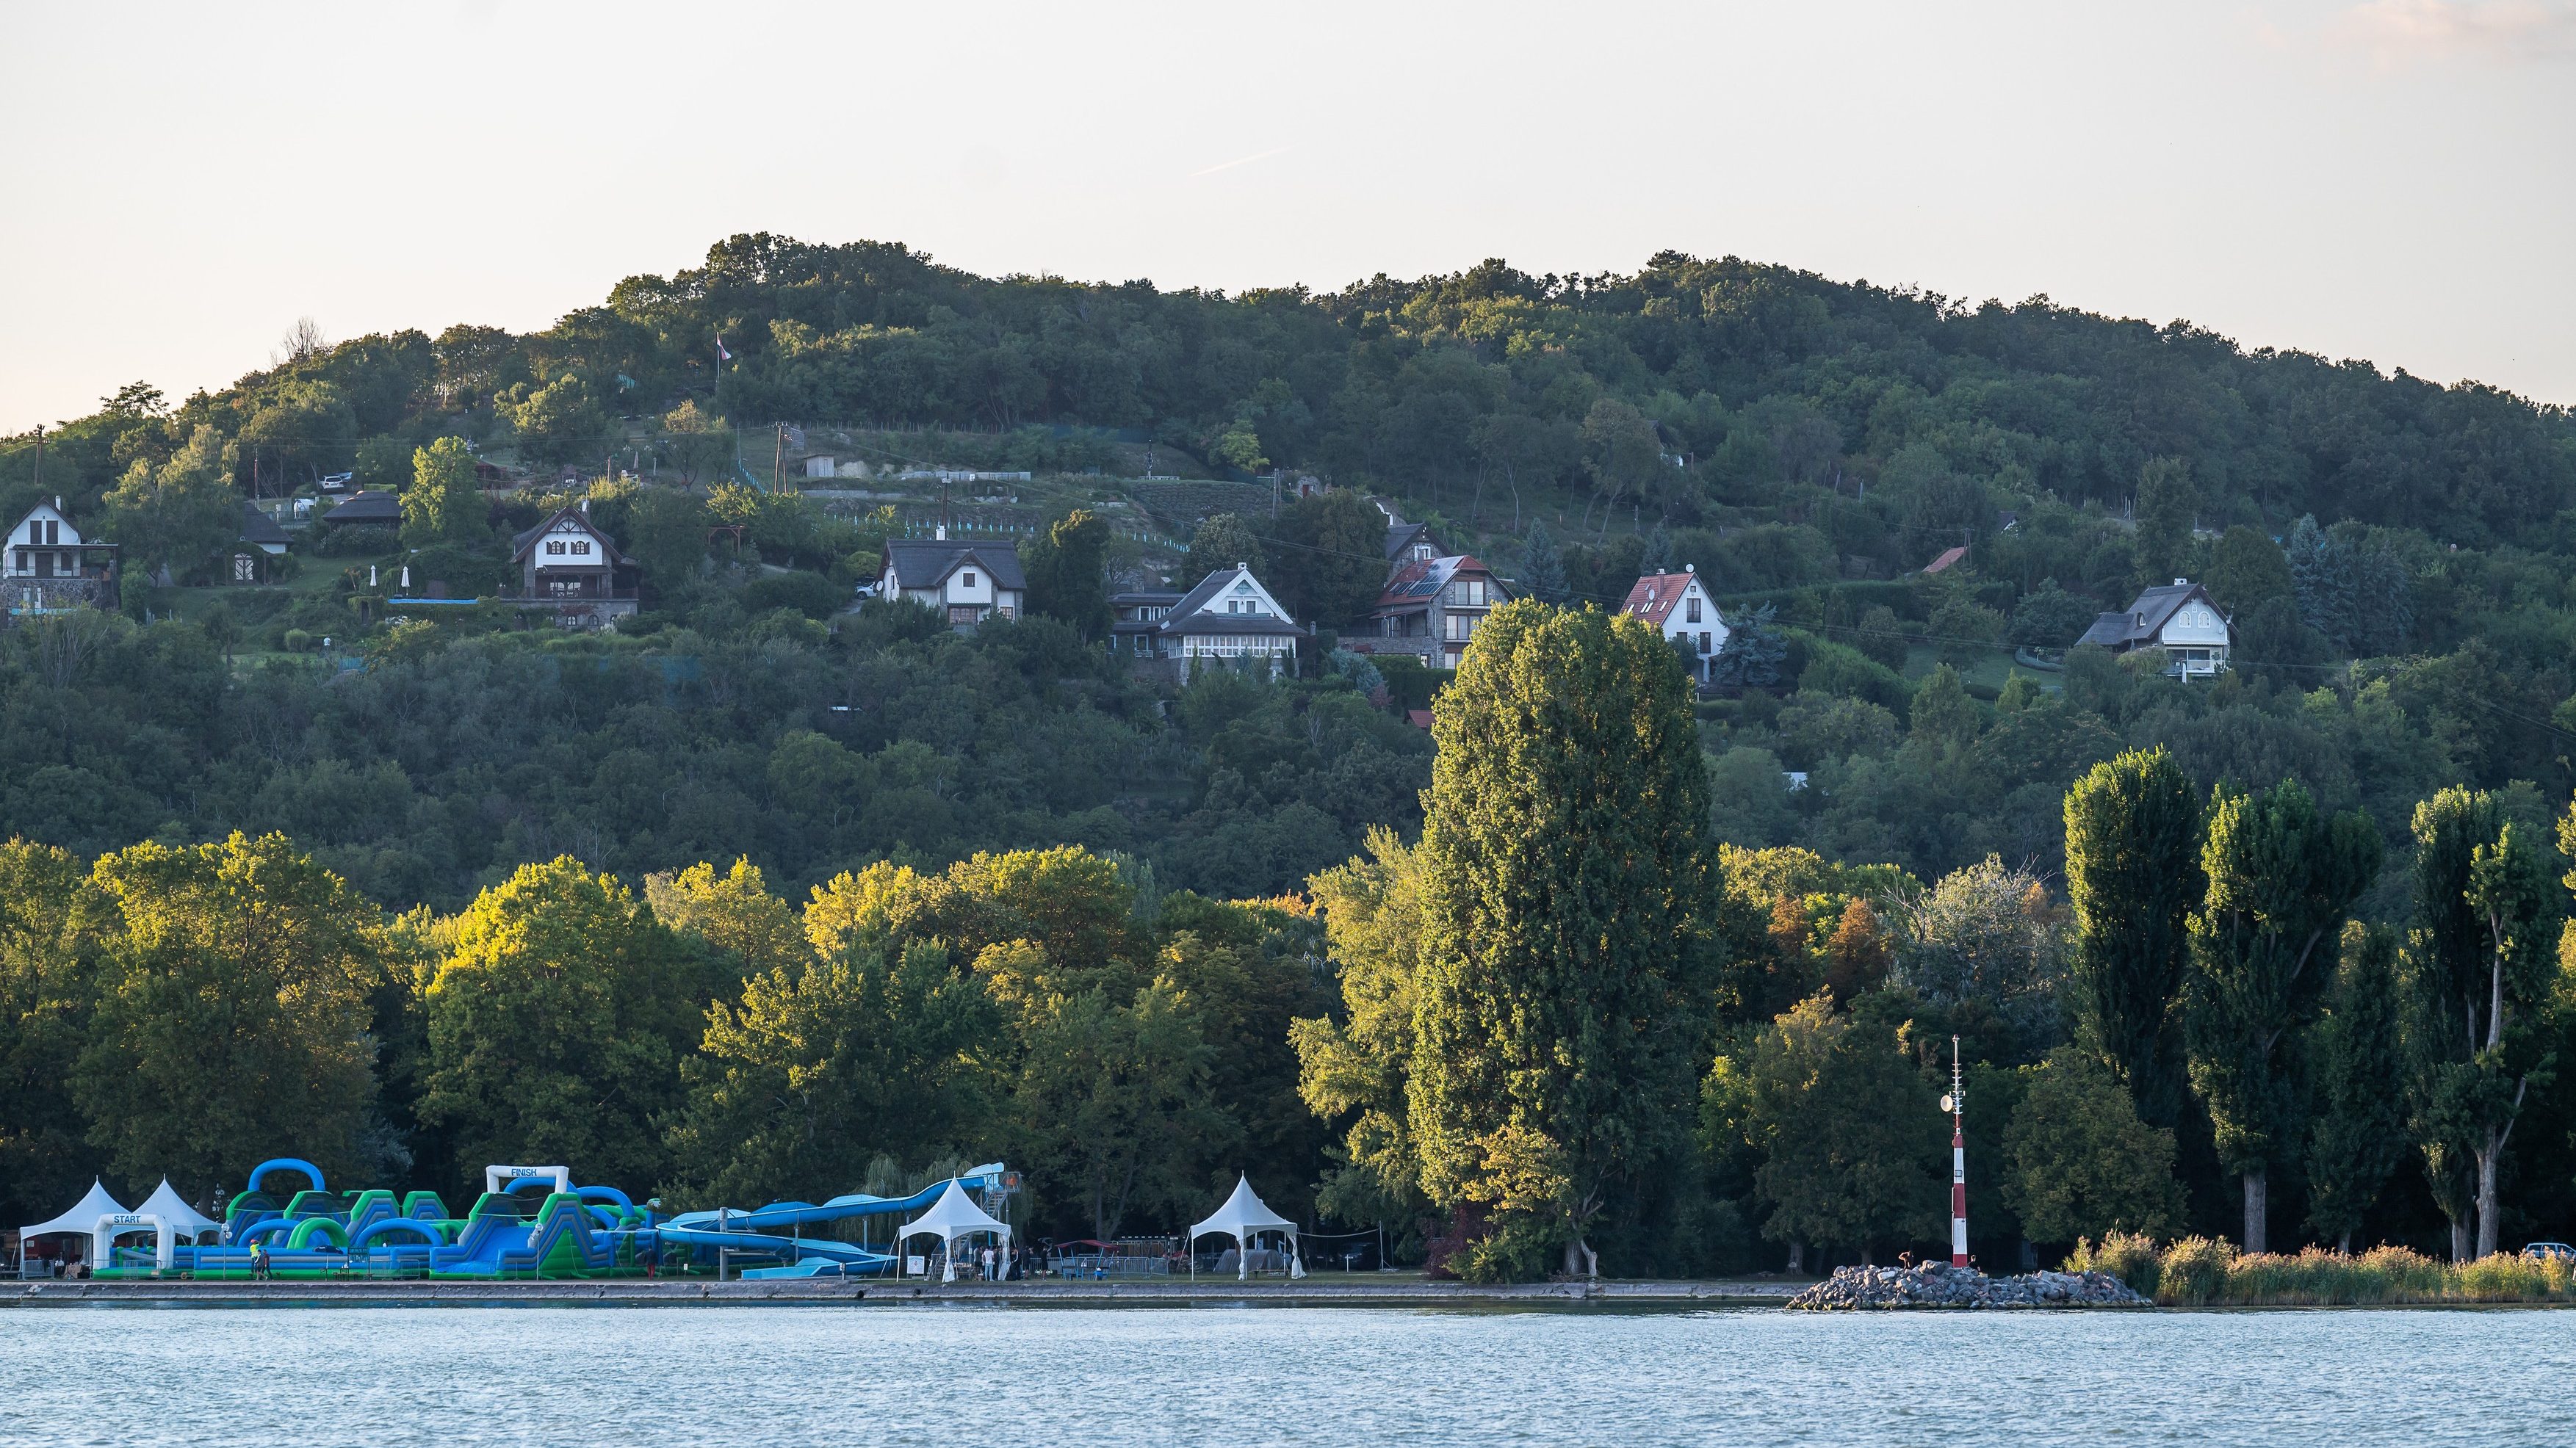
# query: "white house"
{"points": [[48, 567], [1678, 605], [1228, 616], [567, 564], [971, 582], [2179, 620]]}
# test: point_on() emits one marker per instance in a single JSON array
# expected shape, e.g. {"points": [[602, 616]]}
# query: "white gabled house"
{"points": [[568, 565], [2180, 621], [1229, 616], [969, 582], [1679, 607], [49, 567]]}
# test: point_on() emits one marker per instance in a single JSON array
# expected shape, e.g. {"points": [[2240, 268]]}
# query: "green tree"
{"points": [[304, 430], [1567, 877], [1222, 541], [181, 512], [1622, 452], [559, 422], [2133, 875], [232, 1017], [2478, 986], [47, 992], [2249, 572], [1113, 1103], [1068, 571], [733, 911], [698, 443], [1330, 555], [2077, 1160], [822, 1066], [443, 505], [2281, 879], [667, 537], [557, 1025], [2359, 1087], [1543, 567], [1846, 1124], [2168, 503], [1354, 1067], [1987, 946]]}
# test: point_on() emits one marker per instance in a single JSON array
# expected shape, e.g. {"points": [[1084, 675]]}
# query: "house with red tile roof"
{"points": [[1679, 607]]}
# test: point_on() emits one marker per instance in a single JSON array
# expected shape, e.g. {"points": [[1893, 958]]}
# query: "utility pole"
{"points": [[40, 457], [1956, 1103], [778, 459]]}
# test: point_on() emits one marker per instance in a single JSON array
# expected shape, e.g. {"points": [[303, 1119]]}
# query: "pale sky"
{"points": [[2394, 180]]}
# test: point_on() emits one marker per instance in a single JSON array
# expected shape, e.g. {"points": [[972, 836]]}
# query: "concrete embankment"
{"points": [[664, 1292]]}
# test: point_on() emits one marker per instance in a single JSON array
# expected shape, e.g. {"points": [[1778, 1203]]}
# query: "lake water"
{"points": [[953, 1375]]}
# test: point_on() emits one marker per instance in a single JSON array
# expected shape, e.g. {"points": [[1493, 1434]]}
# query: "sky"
{"points": [[2391, 180]]}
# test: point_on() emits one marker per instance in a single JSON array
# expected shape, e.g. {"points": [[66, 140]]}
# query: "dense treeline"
{"points": [[2396, 556]]}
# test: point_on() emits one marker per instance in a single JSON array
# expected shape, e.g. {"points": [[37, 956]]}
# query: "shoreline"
{"points": [[665, 1292]]}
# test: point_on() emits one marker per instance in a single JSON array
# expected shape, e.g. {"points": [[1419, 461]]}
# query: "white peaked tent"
{"points": [[82, 1219], [953, 1216], [186, 1220], [1243, 1217]]}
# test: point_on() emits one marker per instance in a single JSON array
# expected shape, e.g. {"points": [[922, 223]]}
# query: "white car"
{"points": [[338, 482]]}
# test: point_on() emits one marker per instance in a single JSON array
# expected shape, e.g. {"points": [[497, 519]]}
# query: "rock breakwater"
{"points": [[1938, 1284]]}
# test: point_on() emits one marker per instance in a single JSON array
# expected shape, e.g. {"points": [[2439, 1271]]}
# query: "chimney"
{"points": [[1239, 568], [942, 534], [2182, 583], [1690, 568]]}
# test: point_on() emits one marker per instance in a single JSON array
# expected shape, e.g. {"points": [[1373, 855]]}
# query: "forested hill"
{"points": [[1806, 444]]}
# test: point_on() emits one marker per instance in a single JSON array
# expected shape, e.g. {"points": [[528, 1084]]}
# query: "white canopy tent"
{"points": [[186, 1220], [81, 1220], [1243, 1217], [953, 1216]]}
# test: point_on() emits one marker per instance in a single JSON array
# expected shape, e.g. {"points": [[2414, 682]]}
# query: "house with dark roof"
{"points": [[252, 559], [1679, 607], [50, 567], [570, 568], [969, 582], [1429, 608], [371, 509], [2180, 621], [1406, 542], [1228, 618]]}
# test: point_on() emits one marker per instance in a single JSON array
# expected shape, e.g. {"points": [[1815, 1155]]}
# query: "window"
{"points": [[581, 545], [1703, 643], [555, 548], [966, 580], [1461, 626], [1694, 617], [53, 532]]}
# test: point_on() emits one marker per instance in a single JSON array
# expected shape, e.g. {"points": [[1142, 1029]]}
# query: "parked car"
{"points": [[338, 482], [2546, 1250]]}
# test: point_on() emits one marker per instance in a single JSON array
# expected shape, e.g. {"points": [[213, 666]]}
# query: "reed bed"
{"points": [[2206, 1272]]}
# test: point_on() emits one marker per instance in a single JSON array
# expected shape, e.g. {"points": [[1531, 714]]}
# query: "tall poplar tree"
{"points": [[2479, 979], [1560, 1020], [2358, 1074], [2133, 874], [2282, 877]]}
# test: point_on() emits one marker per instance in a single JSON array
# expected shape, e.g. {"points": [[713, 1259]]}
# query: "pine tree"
{"points": [[1068, 571], [1543, 571], [2281, 877], [1561, 1018], [2133, 874], [2358, 1076]]}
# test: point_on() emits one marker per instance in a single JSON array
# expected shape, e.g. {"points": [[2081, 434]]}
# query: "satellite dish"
{"points": [[1948, 1105]]}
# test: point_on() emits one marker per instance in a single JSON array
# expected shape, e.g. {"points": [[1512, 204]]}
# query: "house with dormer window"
{"points": [[969, 582], [1430, 608], [568, 566], [50, 567], [2180, 621], [1679, 607], [1230, 617]]}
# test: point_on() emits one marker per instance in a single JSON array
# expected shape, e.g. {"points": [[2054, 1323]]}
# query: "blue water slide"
{"points": [[857, 1204], [260, 1172]]}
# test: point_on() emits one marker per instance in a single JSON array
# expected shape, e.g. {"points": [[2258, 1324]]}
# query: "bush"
{"points": [[297, 641], [810, 594], [356, 541], [2129, 1256]]}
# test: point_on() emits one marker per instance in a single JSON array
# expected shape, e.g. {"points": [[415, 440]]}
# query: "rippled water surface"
{"points": [[958, 1375]]}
